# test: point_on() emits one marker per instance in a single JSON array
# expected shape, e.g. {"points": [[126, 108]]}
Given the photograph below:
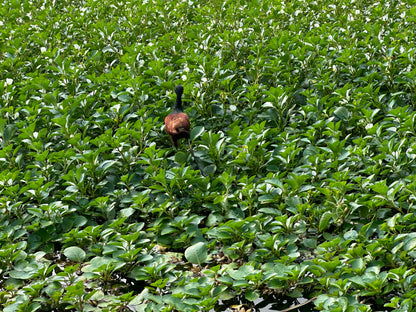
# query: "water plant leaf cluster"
{"points": [[303, 123]]}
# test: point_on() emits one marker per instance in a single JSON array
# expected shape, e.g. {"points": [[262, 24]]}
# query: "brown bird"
{"points": [[177, 122], [177, 125]]}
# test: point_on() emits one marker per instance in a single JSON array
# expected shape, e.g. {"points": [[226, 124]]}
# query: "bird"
{"points": [[177, 123], [178, 126]]}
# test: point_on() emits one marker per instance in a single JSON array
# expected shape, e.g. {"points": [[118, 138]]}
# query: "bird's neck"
{"points": [[178, 105]]}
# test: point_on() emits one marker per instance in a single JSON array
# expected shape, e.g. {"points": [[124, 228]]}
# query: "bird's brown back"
{"points": [[178, 123]]}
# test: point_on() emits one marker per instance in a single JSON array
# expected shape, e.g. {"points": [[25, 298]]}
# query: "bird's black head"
{"points": [[179, 90], [178, 103]]}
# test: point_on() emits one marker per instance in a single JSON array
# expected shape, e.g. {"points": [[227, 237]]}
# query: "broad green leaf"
{"points": [[342, 113], [358, 265], [22, 274], [210, 169], [310, 242], [80, 221], [124, 97], [126, 212], [324, 221], [252, 295], [9, 132], [197, 253], [225, 279], [181, 157], [54, 289], [380, 187], [75, 254], [409, 243], [3, 123], [219, 290], [196, 132]]}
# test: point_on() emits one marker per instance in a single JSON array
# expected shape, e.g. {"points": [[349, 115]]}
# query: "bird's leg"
{"points": [[190, 145], [174, 143], [190, 148]]}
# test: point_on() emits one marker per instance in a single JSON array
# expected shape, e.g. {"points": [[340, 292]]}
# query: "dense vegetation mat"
{"points": [[303, 121]]}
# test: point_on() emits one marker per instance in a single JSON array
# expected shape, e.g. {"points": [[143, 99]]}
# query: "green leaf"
{"points": [[252, 295], [197, 253], [181, 157], [324, 221], [22, 274], [310, 242], [227, 280], [124, 97], [380, 187], [358, 265], [210, 169], [126, 212], [80, 221], [409, 243], [75, 254], [342, 113], [9, 132], [3, 123], [196, 132], [219, 290]]}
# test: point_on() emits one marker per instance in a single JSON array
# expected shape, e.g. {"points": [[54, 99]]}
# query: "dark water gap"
{"points": [[267, 304]]}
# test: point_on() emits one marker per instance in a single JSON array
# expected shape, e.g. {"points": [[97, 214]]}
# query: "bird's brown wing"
{"points": [[177, 123]]}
